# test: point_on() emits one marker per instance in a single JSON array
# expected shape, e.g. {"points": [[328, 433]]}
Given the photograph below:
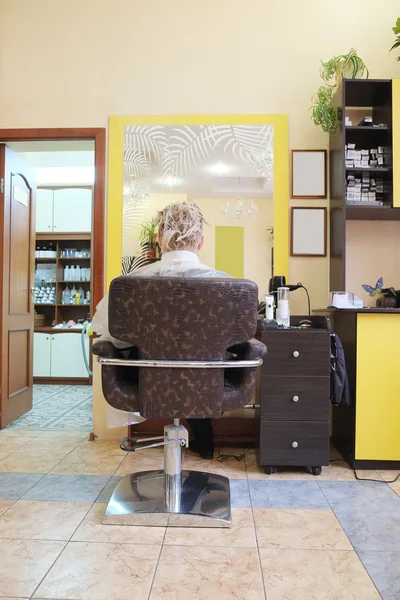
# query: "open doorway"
{"points": [[67, 278]]}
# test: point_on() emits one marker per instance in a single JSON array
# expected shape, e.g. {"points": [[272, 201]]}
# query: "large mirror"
{"points": [[228, 170]]}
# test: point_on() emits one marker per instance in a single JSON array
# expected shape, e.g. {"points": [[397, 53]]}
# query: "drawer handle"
{"points": [[295, 445], [295, 398], [296, 353]]}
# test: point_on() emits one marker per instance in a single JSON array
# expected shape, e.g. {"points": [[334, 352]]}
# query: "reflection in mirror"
{"points": [[226, 169]]}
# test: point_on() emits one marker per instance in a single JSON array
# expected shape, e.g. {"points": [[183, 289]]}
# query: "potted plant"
{"points": [[148, 237], [396, 30], [343, 66]]}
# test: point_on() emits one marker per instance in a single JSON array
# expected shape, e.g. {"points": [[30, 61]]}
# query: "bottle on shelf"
{"points": [[81, 293], [67, 273], [77, 273], [73, 295], [66, 296], [72, 273], [88, 297]]}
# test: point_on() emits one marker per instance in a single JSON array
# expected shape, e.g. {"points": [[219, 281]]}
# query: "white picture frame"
{"points": [[309, 174], [308, 231]]}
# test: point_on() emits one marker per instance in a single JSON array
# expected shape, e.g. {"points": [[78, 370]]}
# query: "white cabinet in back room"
{"points": [[73, 210], [41, 354], [64, 210], [59, 355], [44, 211]]}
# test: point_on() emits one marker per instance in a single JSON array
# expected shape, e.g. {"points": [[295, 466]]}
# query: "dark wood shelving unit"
{"points": [[359, 97], [59, 312]]}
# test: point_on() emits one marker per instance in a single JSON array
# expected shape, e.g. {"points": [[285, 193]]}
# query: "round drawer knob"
{"points": [[295, 445], [296, 353], [295, 398]]}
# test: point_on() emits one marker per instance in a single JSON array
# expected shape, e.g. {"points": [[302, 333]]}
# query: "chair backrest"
{"points": [[182, 319]]}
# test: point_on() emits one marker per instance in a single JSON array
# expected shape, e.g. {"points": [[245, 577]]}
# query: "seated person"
{"points": [[180, 236]]}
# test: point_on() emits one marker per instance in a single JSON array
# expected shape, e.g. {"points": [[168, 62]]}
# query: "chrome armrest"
{"points": [[181, 364]]}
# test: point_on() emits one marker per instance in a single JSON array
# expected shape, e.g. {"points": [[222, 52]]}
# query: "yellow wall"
{"points": [[74, 63]]}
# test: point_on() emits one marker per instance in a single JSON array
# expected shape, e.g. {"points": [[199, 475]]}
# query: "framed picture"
{"points": [[308, 231], [309, 177]]}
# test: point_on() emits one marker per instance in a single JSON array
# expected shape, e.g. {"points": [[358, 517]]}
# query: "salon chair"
{"points": [[192, 356]]}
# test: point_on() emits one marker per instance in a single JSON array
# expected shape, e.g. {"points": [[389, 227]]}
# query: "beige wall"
{"points": [[372, 250], [75, 63]]}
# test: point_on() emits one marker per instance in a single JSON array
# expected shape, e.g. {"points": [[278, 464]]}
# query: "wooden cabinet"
{"points": [[295, 397], [59, 355], [64, 210]]}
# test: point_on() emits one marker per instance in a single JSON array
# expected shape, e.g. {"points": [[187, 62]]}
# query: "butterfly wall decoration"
{"points": [[374, 291]]}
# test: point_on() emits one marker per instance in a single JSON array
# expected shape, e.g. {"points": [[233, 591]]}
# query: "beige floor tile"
{"points": [[277, 528], [341, 471], [101, 571], [5, 504], [72, 435], [21, 462], [185, 573], [88, 465], [19, 433], [106, 447], [32, 520], [92, 530], [39, 444], [139, 462], [389, 476], [315, 574], [254, 471], [241, 534], [230, 468], [9, 444], [396, 487], [3, 598], [3, 455], [24, 563]]}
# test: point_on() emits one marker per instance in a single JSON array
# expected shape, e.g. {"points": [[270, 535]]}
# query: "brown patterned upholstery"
{"points": [[181, 319]]}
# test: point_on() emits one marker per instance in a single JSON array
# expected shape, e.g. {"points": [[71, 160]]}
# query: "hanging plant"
{"points": [[396, 30], [343, 66]]}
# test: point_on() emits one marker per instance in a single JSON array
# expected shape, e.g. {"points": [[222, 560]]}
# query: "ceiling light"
{"points": [[219, 168]]}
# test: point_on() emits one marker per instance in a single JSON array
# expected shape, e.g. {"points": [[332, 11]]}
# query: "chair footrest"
{"points": [[128, 440], [142, 499]]}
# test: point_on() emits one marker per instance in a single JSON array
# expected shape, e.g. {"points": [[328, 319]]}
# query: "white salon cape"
{"points": [[179, 263]]}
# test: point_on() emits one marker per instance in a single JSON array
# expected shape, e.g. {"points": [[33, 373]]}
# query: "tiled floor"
{"points": [[294, 536], [58, 408]]}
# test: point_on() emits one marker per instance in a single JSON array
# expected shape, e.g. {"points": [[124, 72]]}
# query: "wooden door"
{"points": [[73, 210], [17, 263]]}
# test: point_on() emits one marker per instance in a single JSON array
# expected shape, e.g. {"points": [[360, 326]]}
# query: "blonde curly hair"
{"points": [[180, 226]]}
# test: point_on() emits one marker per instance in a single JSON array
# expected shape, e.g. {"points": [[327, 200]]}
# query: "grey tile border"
{"points": [[68, 488], [14, 485]]}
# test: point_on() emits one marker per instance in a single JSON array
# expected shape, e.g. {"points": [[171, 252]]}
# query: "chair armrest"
{"points": [[106, 349], [251, 350]]}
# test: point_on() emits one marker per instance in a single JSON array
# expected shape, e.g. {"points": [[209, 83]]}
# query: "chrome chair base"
{"points": [[200, 500]]}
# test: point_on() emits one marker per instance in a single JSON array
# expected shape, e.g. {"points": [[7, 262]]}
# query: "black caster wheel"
{"points": [[270, 470], [315, 470]]}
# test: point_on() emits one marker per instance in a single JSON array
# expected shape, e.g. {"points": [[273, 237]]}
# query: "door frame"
{"points": [[98, 135]]}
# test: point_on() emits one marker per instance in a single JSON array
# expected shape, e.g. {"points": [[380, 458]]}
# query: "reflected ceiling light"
{"points": [[219, 168]]}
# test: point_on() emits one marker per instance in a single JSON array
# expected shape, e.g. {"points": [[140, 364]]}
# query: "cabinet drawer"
{"points": [[278, 443], [293, 353], [295, 398]]}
